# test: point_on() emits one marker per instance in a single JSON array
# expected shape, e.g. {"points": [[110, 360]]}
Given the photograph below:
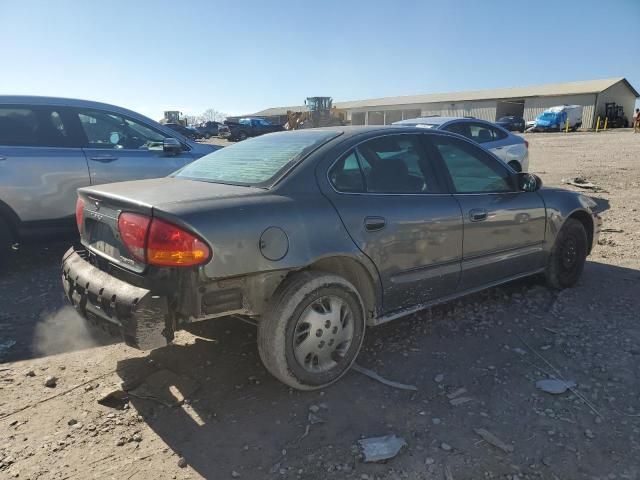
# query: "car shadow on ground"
{"points": [[236, 417]]}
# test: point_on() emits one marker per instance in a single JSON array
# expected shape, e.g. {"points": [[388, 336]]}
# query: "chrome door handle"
{"points": [[478, 214], [373, 224], [104, 158], [498, 148]]}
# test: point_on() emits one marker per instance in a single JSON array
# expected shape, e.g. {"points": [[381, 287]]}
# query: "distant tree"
{"points": [[213, 115]]}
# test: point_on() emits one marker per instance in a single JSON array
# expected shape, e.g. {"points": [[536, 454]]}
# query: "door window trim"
{"points": [[438, 178], [442, 167]]}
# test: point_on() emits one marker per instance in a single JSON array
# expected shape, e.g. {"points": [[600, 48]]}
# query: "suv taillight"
{"points": [[80, 214], [526, 145], [161, 243]]}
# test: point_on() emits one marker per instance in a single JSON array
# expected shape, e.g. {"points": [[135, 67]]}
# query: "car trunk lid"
{"points": [[103, 205]]}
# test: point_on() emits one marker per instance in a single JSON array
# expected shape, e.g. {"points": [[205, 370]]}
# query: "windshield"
{"points": [[256, 162], [506, 119], [548, 116]]}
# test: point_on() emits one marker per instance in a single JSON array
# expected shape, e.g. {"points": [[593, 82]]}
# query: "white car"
{"points": [[511, 149]]}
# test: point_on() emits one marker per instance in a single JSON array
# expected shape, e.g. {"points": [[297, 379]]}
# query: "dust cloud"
{"points": [[65, 331]]}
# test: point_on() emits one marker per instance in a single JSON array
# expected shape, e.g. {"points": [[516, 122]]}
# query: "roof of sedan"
{"points": [[433, 120], [360, 129]]}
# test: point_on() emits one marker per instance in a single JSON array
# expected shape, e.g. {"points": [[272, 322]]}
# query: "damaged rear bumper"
{"points": [[136, 314]]}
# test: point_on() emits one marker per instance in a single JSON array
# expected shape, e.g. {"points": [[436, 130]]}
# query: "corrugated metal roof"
{"points": [[277, 111], [550, 89]]}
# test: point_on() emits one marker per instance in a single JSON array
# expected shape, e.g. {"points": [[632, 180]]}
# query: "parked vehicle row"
{"points": [[246, 128], [188, 132], [50, 147], [316, 235], [511, 149]]}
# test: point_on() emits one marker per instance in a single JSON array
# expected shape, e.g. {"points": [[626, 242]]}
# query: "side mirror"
{"points": [[528, 182], [171, 145]]}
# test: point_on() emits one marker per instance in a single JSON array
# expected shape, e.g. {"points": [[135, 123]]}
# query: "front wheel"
{"points": [[6, 240], [242, 136], [568, 255], [312, 330]]}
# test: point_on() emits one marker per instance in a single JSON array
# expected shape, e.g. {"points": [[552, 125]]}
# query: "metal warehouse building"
{"points": [[527, 102]]}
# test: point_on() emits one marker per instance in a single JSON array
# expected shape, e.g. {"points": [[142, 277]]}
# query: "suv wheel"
{"points": [[242, 136], [312, 330], [6, 240], [568, 255]]}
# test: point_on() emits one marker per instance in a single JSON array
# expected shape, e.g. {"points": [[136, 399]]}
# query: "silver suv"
{"points": [[50, 147]]}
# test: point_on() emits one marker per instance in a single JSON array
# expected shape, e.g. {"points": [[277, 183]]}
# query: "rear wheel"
{"points": [[568, 255], [312, 331]]}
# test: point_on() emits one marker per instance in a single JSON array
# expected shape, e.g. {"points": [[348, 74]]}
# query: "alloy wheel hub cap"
{"points": [[323, 334]]}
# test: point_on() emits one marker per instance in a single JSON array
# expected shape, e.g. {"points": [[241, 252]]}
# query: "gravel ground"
{"points": [[206, 408]]}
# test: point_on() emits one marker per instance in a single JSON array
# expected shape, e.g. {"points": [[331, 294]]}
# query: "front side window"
{"points": [[259, 161], [112, 131], [471, 169], [32, 127]]}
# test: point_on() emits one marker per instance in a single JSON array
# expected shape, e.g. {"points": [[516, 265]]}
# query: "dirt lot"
{"points": [[205, 407]]}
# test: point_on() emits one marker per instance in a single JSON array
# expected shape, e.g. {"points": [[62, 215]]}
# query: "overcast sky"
{"points": [[242, 56]]}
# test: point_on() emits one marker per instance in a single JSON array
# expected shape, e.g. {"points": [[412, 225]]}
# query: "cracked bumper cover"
{"points": [[122, 309]]}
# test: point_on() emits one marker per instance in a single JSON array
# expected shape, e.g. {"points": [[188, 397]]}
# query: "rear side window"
{"points": [[389, 164], [471, 169], [396, 164], [33, 127], [478, 132], [346, 176]]}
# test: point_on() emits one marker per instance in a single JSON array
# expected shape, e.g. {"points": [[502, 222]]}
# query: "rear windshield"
{"points": [[259, 161]]}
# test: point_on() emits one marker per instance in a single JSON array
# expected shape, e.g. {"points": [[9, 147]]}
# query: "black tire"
{"points": [[282, 319], [207, 136], [242, 136], [568, 255], [6, 240], [515, 165]]}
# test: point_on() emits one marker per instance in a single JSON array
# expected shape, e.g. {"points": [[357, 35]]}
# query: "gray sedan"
{"points": [[315, 235], [511, 149]]}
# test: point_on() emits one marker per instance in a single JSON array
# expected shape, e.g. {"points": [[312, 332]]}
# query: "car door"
{"points": [[120, 148], [396, 209], [41, 163], [504, 228]]}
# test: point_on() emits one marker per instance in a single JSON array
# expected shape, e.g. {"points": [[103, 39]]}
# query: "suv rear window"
{"points": [[256, 162]]}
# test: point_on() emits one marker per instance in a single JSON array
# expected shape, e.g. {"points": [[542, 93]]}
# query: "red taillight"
{"points": [[133, 230], [170, 245], [526, 144], [80, 214], [161, 243]]}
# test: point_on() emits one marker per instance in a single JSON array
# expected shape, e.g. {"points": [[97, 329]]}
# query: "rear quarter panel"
{"points": [[234, 226]]}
